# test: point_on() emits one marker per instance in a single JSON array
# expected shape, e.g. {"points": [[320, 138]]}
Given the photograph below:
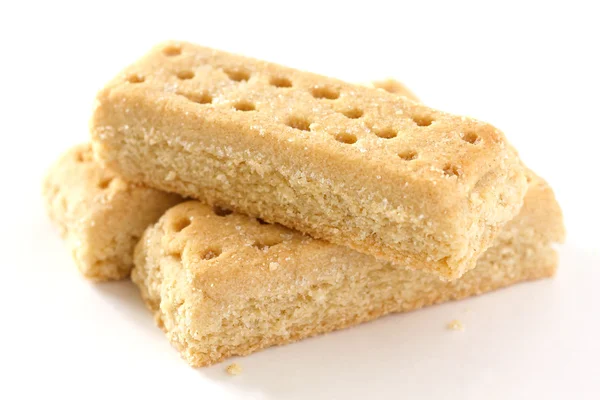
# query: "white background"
{"points": [[529, 68]]}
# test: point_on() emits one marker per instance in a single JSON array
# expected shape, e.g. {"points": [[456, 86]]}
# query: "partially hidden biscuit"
{"points": [[222, 284], [99, 214], [393, 86], [350, 164]]}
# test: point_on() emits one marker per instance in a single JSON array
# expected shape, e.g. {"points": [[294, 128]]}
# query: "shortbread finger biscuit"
{"points": [[224, 284], [353, 165], [100, 215]]}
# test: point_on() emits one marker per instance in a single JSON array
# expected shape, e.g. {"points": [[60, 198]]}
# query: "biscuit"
{"points": [[222, 284], [353, 165], [99, 214]]}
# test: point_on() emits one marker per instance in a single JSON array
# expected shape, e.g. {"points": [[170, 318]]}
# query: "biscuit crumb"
{"points": [[234, 369], [456, 325], [273, 266]]}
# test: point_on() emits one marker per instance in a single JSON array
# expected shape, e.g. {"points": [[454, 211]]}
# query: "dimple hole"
{"points": [[325, 92], [185, 74], [265, 245], [63, 204], [83, 156], [55, 189], [237, 75], [211, 253], [422, 120], [471, 137], [104, 183], [386, 133], [181, 224], [262, 221], [298, 123], [353, 113], [408, 155], [244, 106], [200, 98], [173, 50], [346, 137], [451, 170], [135, 78], [221, 212], [280, 82]]}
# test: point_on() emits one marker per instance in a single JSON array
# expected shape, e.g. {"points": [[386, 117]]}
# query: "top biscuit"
{"points": [[350, 164]]}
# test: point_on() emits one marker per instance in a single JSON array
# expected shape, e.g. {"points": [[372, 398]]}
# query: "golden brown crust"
{"points": [[100, 215], [313, 153], [224, 284]]}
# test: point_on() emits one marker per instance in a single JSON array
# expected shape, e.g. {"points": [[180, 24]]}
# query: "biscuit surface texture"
{"points": [[222, 284], [99, 214], [350, 164]]}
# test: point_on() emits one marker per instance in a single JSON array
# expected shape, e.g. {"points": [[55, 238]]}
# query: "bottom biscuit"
{"points": [[99, 214], [223, 284]]}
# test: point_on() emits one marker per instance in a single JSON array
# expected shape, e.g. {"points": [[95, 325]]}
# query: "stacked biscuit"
{"points": [[317, 204]]}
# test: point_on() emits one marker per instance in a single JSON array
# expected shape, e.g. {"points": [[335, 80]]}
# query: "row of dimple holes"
{"points": [[300, 123], [214, 251]]}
